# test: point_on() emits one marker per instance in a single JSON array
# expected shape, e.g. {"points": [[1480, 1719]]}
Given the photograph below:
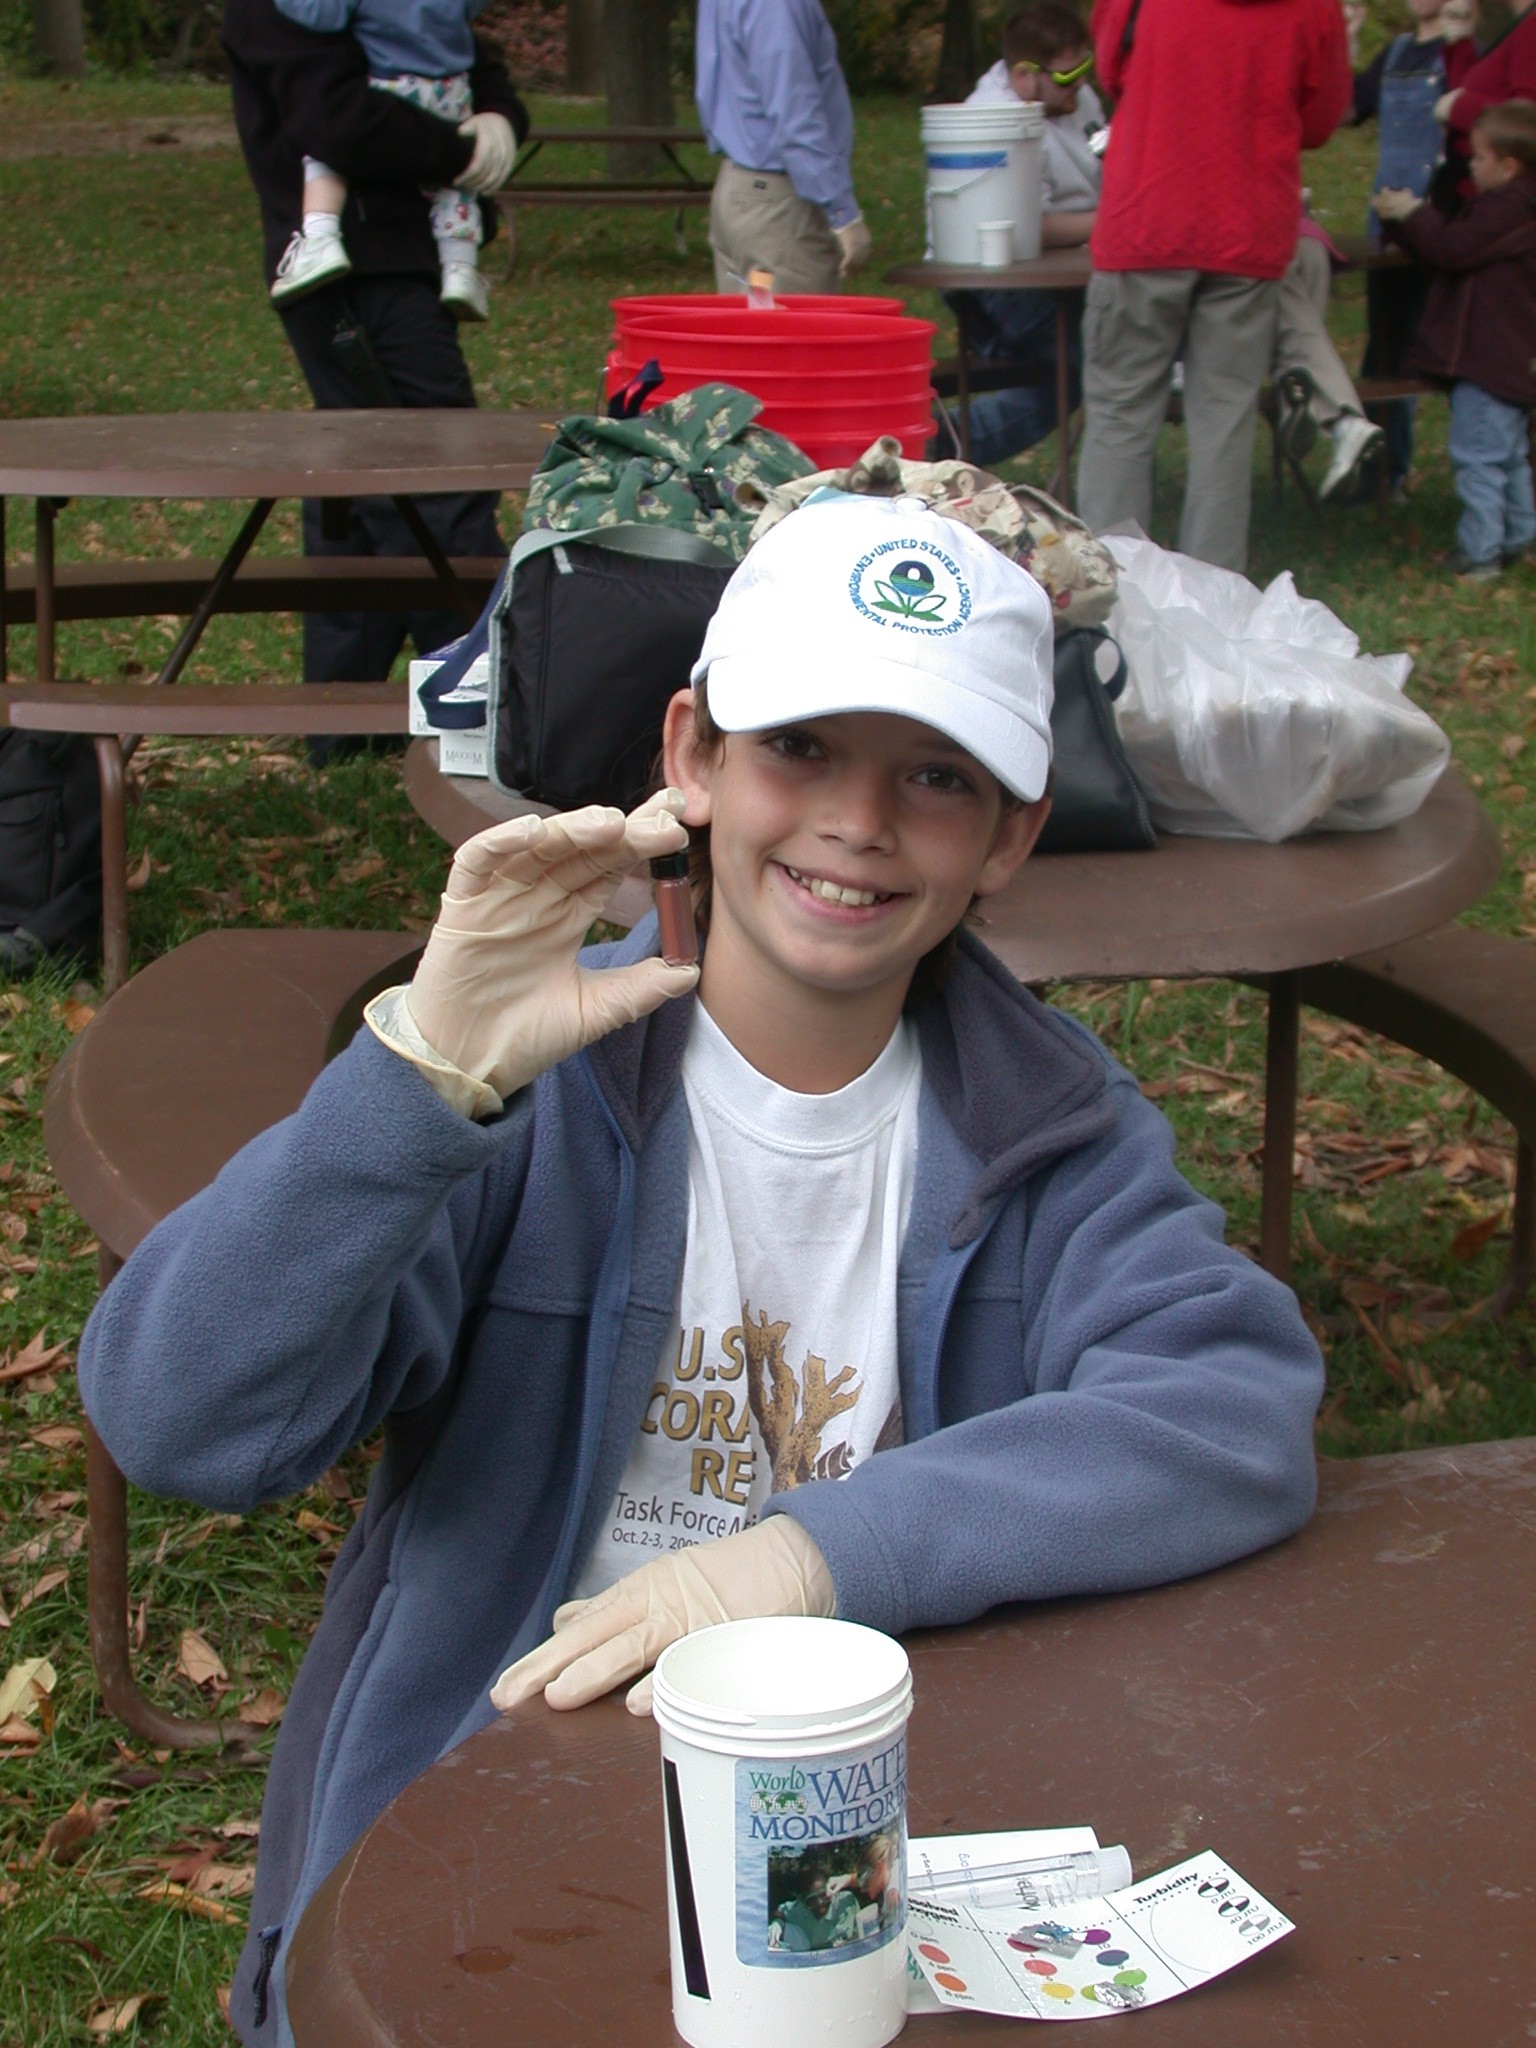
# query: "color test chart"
{"points": [[1133, 1947]]}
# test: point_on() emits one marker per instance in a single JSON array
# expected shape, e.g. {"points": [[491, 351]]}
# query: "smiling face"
{"points": [[842, 849]]}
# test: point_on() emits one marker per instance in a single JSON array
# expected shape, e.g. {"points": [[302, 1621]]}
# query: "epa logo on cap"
{"points": [[911, 584]]}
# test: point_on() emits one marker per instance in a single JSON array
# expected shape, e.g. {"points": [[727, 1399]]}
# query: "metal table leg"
{"points": [[1062, 484], [963, 371], [114, 862], [227, 570], [1280, 1074], [107, 1602], [46, 507], [427, 541]]}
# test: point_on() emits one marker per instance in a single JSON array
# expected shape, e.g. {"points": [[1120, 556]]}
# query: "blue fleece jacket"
{"points": [[1098, 1393]]}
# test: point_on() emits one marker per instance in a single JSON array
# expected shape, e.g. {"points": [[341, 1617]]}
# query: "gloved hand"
{"points": [[1395, 203], [771, 1568], [1443, 106], [498, 992], [853, 238], [495, 153]]}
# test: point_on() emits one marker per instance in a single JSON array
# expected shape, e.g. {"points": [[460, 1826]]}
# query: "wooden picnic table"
{"points": [[1192, 906], [263, 456], [1345, 1718], [1066, 273], [682, 191]]}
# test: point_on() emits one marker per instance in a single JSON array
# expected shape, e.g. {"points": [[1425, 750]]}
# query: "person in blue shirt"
{"points": [[774, 105], [421, 50]]}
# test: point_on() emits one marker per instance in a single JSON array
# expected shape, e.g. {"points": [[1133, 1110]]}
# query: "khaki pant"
{"points": [[758, 221], [1302, 342], [1135, 324]]}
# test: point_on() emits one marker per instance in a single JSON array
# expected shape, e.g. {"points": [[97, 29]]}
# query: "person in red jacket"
{"points": [[1478, 333], [1196, 224], [1505, 71]]}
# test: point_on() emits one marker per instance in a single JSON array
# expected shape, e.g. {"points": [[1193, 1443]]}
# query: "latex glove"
{"points": [[498, 993], [853, 238], [772, 1568], [495, 153], [1395, 203]]}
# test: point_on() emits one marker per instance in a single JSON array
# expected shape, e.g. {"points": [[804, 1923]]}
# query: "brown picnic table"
{"points": [[396, 453], [1345, 1718], [1191, 907], [260, 456], [677, 192], [1066, 273]]}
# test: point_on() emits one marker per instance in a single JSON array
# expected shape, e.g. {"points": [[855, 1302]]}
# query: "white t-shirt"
{"points": [[783, 1364], [1070, 173]]}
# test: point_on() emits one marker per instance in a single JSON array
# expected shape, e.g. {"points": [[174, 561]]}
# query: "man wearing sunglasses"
{"points": [[1046, 58]]}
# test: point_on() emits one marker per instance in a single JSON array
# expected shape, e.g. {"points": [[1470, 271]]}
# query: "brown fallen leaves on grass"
{"points": [[117, 2015], [35, 1356], [26, 1704], [66, 1839], [199, 1661]]}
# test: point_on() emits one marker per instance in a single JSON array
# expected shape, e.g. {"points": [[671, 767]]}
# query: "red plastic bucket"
{"points": [[907, 389], [654, 306], [730, 346]]}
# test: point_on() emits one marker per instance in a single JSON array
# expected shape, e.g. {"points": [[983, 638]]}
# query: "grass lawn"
{"points": [[136, 287]]}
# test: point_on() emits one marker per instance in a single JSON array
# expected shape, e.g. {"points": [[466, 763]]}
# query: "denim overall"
{"points": [[1412, 142]]}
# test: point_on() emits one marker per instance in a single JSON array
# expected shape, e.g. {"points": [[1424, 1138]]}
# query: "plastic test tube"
{"points": [[674, 909]]}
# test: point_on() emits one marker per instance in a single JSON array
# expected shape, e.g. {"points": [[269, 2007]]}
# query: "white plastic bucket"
{"points": [[983, 165], [784, 1781]]}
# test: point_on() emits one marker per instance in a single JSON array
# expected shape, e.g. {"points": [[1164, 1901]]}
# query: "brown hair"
{"points": [[1041, 30], [1509, 129], [936, 965]]}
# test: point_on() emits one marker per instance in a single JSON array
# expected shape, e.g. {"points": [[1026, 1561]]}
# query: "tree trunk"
{"points": [[960, 62], [584, 47], [58, 37], [637, 76]]}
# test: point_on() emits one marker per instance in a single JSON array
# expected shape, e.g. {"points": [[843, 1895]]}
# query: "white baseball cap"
{"points": [[879, 604]]}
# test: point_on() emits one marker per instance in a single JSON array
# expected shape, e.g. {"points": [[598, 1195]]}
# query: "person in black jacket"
{"points": [[380, 336]]}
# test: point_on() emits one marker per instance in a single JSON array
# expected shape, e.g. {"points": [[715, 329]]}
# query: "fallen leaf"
{"points": [[313, 1524], [185, 1900], [225, 1881], [199, 1660], [1512, 746], [1471, 1238], [66, 1838], [117, 2016], [240, 1830], [224, 1994], [263, 1711], [78, 1015], [50, 1582], [360, 870], [56, 1436], [18, 1734], [35, 1356], [138, 878]]}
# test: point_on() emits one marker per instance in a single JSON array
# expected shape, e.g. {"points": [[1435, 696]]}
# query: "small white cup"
{"points": [[995, 238]]}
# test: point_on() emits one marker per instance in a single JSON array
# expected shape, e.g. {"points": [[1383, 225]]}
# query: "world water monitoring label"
{"points": [[821, 1855]]}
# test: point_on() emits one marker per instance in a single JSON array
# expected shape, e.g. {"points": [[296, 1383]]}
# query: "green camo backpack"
{"points": [[676, 467]]}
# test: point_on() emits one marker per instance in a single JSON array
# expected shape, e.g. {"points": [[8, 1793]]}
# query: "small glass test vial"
{"points": [[674, 909]]}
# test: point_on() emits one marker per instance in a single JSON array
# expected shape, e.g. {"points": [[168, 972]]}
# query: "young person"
{"points": [[843, 1260], [1400, 90], [1478, 333], [1046, 59], [422, 54]]}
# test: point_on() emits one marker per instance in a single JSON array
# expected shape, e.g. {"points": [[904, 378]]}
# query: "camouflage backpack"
{"points": [[677, 466]]}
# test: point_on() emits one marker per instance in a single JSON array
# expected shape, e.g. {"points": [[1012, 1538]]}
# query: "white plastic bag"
{"points": [[1254, 714]]}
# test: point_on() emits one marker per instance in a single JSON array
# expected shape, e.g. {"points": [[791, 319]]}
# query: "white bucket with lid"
{"points": [[784, 1783], [983, 164]]}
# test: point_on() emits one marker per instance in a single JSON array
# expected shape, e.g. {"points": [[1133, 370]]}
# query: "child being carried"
{"points": [[421, 50]]}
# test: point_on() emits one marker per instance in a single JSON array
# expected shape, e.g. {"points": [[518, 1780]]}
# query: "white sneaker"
{"points": [[309, 261], [464, 292], [1355, 440]]}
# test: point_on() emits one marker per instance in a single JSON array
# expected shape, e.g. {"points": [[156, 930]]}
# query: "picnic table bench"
{"points": [[682, 191]]}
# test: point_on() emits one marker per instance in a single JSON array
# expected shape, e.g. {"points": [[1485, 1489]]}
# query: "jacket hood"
{"points": [[1013, 1115]]}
